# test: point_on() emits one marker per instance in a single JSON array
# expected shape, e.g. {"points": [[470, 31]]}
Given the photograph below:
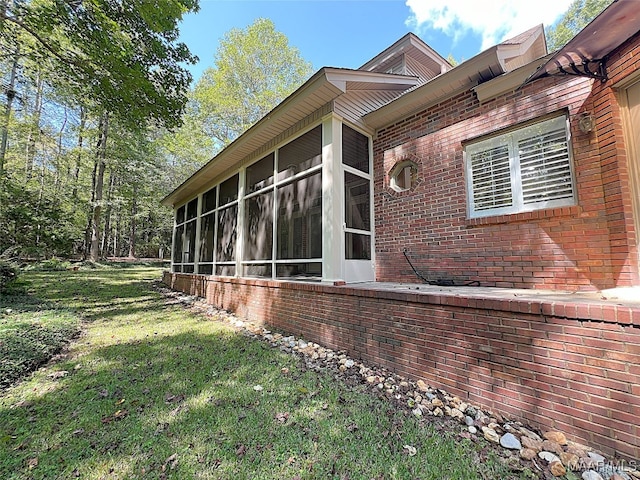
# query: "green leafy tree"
{"points": [[33, 224], [133, 197], [123, 55], [579, 14], [80, 68], [184, 149], [255, 69]]}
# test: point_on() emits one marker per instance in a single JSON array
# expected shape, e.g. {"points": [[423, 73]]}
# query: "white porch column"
{"points": [[240, 223], [196, 253], [332, 200], [173, 237]]}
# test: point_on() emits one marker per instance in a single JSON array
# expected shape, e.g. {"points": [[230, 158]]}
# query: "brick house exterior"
{"points": [[590, 245], [540, 354]]}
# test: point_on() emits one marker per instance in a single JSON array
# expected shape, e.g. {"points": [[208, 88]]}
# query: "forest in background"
{"points": [[99, 119]]}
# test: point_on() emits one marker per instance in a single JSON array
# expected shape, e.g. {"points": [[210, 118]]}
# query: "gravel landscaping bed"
{"points": [[544, 455]]}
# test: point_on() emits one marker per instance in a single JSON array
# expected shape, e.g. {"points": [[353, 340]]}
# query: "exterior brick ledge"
{"points": [[587, 306], [573, 211]]}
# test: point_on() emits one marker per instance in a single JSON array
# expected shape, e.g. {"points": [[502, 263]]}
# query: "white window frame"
{"points": [[185, 249], [279, 181], [331, 264], [403, 176], [562, 162], [358, 269]]}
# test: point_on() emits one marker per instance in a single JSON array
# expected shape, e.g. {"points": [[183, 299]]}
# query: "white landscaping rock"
{"points": [[510, 441], [591, 475], [596, 457], [549, 457]]}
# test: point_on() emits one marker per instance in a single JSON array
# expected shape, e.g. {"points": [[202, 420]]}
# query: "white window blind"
{"points": [[491, 177], [526, 169], [545, 167]]}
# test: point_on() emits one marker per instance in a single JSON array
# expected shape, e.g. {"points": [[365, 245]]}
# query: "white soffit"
{"points": [[522, 49], [463, 76], [322, 88], [505, 83], [482, 68]]}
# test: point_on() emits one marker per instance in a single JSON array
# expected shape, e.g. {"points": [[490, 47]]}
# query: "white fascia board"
{"points": [[506, 82], [317, 87], [510, 50], [441, 87], [403, 46], [324, 86], [398, 48], [506, 52], [370, 80]]}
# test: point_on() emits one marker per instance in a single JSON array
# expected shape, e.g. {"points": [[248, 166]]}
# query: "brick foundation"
{"points": [[567, 365]]}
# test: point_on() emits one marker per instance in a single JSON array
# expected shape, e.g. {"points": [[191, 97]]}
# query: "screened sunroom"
{"points": [[267, 219], [292, 198]]}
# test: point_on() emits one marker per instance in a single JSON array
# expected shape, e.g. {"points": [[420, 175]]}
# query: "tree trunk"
{"points": [[106, 235], [76, 173], [132, 224], [4, 126], [34, 129], [116, 236], [101, 158], [87, 231], [146, 237], [59, 181]]}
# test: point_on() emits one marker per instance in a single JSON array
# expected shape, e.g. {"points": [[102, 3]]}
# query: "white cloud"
{"points": [[493, 20]]}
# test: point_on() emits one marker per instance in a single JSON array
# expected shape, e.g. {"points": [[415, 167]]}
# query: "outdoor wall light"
{"points": [[586, 122]]}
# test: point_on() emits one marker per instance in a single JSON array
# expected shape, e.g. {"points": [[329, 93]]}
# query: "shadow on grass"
{"points": [[185, 406], [96, 294], [179, 398], [132, 406]]}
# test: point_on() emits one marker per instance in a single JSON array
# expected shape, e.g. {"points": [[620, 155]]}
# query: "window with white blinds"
{"points": [[526, 169]]}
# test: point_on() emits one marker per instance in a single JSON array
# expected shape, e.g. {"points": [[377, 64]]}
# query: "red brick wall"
{"points": [[557, 365], [588, 246], [191, 284], [615, 169]]}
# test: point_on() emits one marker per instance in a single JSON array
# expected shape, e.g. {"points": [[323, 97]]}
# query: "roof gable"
{"points": [[404, 77], [487, 65], [409, 56]]}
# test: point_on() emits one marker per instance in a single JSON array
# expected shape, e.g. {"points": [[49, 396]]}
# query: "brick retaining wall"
{"points": [[572, 366]]}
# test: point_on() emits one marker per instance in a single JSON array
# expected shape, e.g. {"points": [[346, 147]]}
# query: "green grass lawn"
{"points": [[151, 390]]}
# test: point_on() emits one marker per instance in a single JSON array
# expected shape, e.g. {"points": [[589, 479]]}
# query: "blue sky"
{"points": [[347, 33]]}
